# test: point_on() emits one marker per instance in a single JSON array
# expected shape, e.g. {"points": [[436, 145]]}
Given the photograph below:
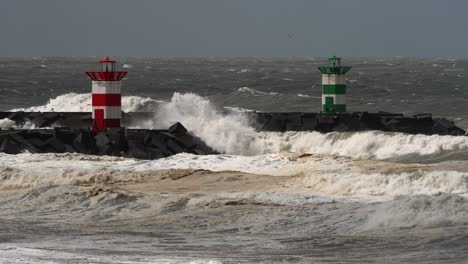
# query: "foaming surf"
{"points": [[265, 190], [73, 102], [318, 174]]}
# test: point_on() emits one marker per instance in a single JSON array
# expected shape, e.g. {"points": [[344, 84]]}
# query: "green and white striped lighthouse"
{"points": [[334, 86]]}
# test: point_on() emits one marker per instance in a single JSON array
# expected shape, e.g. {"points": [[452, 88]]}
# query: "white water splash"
{"points": [[73, 102]]}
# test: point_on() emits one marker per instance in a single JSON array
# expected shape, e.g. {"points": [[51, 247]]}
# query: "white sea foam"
{"points": [[73, 102], [52, 252], [226, 133], [368, 183], [363, 145], [315, 174], [6, 123], [251, 91], [421, 211], [238, 109], [10, 124]]}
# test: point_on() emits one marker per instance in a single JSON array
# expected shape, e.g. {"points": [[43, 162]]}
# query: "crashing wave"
{"points": [[73, 102], [420, 211]]}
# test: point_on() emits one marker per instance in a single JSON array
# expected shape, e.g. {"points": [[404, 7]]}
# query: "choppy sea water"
{"points": [[295, 197]]}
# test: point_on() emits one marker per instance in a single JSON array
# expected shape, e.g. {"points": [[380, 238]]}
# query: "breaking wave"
{"points": [[420, 211], [314, 174], [368, 183], [73, 102]]}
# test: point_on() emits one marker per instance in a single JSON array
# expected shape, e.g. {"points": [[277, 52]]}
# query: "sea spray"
{"points": [[73, 102], [225, 133], [6, 123]]}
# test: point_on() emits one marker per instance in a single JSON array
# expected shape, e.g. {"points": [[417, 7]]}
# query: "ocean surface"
{"points": [[294, 197]]}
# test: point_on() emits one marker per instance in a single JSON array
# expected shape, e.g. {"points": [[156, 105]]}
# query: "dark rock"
{"points": [[105, 150], [136, 150], [102, 140], [116, 135], [276, 123], [174, 147], [177, 129], [136, 143], [118, 141], [293, 122], [159, 139], [9, 147], [69, 148], [30, 148], [51, 115], [309, 123], [17, 116], [201, 148], [37, 142], [186, 140], [136, 135], [18, 137], [259, 120], [445, 127], [346, 122], [325, 122], [65, 134], [85, 143], [55, 144], [154, 153], [40, 121]]}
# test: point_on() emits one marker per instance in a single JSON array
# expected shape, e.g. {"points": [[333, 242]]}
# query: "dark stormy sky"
{"points": [[234, 28]]}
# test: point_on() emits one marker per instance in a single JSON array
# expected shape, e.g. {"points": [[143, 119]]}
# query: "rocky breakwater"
{"points": [[134, 143], [358, 121], [66, 119]]}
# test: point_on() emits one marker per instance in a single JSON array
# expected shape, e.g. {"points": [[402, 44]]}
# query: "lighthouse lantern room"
{"points": [[106, 95]]}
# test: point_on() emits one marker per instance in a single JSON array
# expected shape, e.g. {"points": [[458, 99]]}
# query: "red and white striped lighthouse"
{"points": [[106, 97]]}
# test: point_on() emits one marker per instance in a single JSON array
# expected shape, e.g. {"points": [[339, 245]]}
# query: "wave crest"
{"points": [[73, 102], [421, 211]]}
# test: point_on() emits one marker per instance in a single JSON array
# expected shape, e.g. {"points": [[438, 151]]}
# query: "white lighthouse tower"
{"points": [[106, 96]]}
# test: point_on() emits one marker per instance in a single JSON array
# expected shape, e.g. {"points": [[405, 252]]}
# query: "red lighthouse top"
{"points": [[106, 71]]}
